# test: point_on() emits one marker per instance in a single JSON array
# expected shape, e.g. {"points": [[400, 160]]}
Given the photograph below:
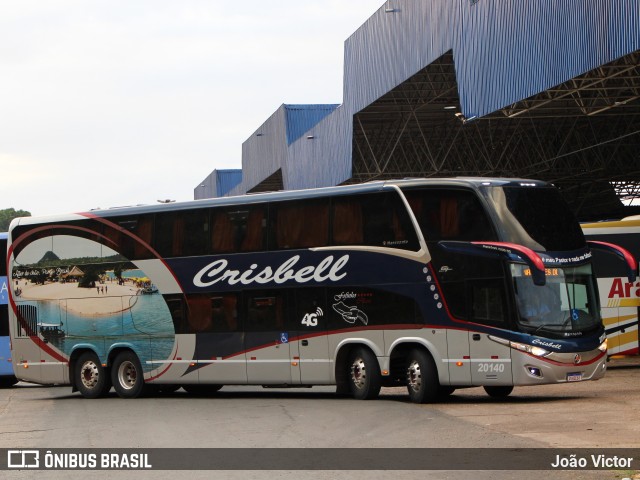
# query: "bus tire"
{"points": [[127, 375], [91, 378], [422, 377], [364, 375], [498, 391]]}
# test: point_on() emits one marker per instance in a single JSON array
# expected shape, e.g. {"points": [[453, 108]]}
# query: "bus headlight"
{"points": [[603, 346], [523, 347], [539, 352], [532, 349]]}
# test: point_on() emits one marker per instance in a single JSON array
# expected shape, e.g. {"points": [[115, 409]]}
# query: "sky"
{"points": [[107, 103]]}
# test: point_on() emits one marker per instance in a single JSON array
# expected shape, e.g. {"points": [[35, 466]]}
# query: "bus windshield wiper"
{"points": [[547, 325]]}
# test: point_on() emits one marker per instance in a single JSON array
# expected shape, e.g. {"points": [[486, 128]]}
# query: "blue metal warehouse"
{"points": [[546, 89]]}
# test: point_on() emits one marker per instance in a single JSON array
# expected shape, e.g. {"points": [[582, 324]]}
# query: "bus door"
{"points": [[490, 360], [310, 350], [266, 346], [476, 291]]}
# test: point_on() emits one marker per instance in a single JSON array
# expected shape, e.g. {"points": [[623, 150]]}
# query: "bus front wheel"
{"points": [[90, 376], [422, 378], [127, 375], [364, 375]]}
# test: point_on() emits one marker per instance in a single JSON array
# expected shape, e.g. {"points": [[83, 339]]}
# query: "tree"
{"points": [[9, 214], [91, 276]]}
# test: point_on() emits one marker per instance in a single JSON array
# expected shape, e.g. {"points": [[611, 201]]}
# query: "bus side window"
{"points": [[224, 313], [132, 236], [199, 313], [378, 220], [473, 220], [300, 224], [164, 238], [192, 226], [347, 221], [449, 220], [180, 234], [450, 215], [176, 308], [144, 232], [238, 230], [265, 312], [221, 232], [488, 301], [255, 231], [426, 208]]}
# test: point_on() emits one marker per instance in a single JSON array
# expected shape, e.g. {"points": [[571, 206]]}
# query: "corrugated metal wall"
{"points": [[323, 160], [264, 152], [504, 51], [392, 46], [269, 148], [510, 50], [300, 118], [218, 184]]}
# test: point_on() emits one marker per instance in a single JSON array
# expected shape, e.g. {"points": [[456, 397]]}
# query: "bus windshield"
{"points": [[536, 217], [565, 306]]}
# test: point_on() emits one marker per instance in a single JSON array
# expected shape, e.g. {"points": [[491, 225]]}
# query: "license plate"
{"points": [[574, 377]]}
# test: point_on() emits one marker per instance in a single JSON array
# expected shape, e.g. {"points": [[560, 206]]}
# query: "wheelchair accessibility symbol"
{"points": [[284, 337]]}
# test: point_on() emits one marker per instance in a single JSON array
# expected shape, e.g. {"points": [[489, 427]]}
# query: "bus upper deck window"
{"points": [[378, 220], [452, 214], [301, 224]]}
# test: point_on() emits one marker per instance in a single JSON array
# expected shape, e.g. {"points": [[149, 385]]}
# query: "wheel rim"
{"points": [[358, 373], [414, 376], [89, 374], [127, 375]]}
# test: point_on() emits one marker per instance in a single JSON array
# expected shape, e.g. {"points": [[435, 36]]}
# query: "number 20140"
{"points": [[491, 367]]}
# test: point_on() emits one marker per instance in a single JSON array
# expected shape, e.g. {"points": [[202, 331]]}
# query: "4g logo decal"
{"points": [[311, 319]]}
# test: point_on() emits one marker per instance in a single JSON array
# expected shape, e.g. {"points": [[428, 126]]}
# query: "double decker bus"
{"points": [[619, 297], [7, 378], [432, 284]]}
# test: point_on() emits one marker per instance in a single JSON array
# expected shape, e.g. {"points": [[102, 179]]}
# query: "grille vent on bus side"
{"points": [[30, 315]]}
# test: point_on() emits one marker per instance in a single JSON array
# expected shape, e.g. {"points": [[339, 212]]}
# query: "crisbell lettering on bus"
{"points": [[217, 272]]}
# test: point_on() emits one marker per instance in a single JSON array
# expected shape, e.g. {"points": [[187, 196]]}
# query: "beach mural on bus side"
{"points": [[73, 290]]}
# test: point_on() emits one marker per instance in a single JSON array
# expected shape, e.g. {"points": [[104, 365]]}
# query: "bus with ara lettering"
{"points": [[619, 297], [7, 378], [431, 284]]}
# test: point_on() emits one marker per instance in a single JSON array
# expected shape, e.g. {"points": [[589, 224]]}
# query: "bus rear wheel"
{"points": [[364, 375], [127, 375], [422, 378], [498, 391], [90, 377]]}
